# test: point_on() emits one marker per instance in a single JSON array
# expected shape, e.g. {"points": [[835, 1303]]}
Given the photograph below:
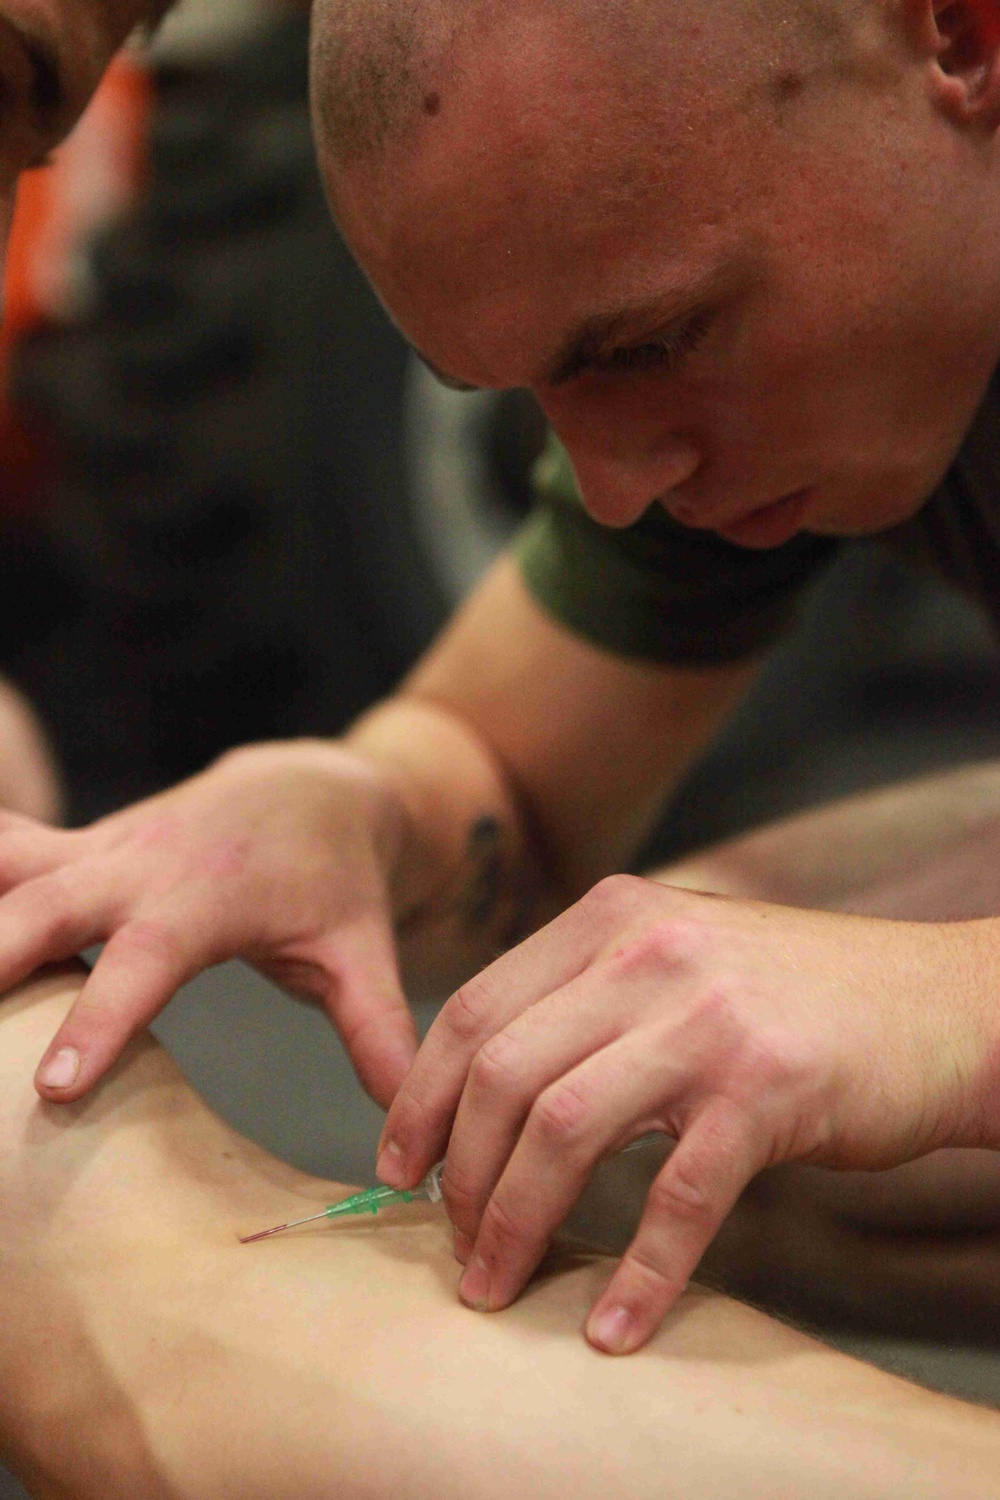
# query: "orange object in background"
{"points": [[94, 176]]}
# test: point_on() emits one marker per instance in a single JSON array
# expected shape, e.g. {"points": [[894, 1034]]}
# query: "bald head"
{"points": [[381, 66]]}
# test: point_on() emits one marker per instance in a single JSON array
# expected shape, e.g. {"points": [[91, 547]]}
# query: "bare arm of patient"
{"points": [[145, 1352], [922, 850]]}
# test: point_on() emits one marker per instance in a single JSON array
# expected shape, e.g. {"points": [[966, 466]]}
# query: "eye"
{"points": [[664, 353]]}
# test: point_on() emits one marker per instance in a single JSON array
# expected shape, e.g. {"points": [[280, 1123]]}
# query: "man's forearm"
{"points": [[525, 764], [468, 880], [828, 856]]}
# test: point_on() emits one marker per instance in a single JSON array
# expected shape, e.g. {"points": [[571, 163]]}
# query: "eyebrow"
{"points": [[592, 336]]}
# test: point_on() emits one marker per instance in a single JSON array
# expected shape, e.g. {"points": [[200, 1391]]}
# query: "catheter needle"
{"points": [[367, 1202], [248, 1239], [372, 1199]]}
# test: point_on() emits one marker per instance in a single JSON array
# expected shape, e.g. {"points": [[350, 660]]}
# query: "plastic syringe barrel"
{"points": [[372, 1199]]}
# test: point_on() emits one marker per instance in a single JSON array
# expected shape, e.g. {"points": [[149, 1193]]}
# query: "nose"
{"points": [[620, 472], [618, 486]]}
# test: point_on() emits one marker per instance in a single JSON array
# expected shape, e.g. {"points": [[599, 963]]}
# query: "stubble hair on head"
{"points": [[381, 66], [366, 59]]}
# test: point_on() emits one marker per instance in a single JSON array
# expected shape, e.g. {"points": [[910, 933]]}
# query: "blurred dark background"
{"points": [[233, 509]]}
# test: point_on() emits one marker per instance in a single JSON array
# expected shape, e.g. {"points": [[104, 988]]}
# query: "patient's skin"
{"points": [[146, 1353]]}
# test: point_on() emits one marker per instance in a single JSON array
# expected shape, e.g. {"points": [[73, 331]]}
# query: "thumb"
{"points": [[365, 1001]]}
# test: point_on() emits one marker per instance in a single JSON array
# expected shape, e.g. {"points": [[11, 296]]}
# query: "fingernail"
{"points": [[463, 1246], [62, 1070], [474, 1288], [389, 1166], [611, 1330]]}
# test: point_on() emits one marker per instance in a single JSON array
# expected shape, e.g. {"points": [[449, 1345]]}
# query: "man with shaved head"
{"points": [[746, 257]]}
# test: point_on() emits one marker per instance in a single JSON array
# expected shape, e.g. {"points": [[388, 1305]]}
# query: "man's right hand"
{"points": [[279, 854]]}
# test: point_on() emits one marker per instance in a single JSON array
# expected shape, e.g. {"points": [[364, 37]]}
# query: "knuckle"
{"points": [[714, 1016], [52, 905], [665, 947], [467, 1013], [157, 832], [503, 1227], [614, 895], [778, 1060], [712, 1028], [460, 1196], [749, 1048], [560, 1116], [494, 1068], [755, 1063], [151, 939], [678, 1195], [652, 1281], [411, 1112]]}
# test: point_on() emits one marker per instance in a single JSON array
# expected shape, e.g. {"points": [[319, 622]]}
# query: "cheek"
{"points": [[731, 425], [791, 388], [736, 416]]}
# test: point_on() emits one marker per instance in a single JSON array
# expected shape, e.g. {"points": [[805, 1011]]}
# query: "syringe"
{"points": [[367, 1202], [372, 1199]]}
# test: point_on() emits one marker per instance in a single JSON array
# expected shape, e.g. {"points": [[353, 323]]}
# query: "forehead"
{"points": [[549, 176]]}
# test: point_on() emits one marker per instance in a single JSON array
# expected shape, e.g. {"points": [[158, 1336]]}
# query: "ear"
{"points": [[962, 39]]}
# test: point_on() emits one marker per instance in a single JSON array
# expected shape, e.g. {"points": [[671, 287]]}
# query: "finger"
{"points": [[612, 1097], [29, 849], [416, 1131], [696, 1190], [367, 1005], [47, 920], [507, 1081], [141, 968]]}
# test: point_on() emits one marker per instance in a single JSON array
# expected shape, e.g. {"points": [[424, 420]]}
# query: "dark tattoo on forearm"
{"points": [[484, 889], [476, 893]]}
